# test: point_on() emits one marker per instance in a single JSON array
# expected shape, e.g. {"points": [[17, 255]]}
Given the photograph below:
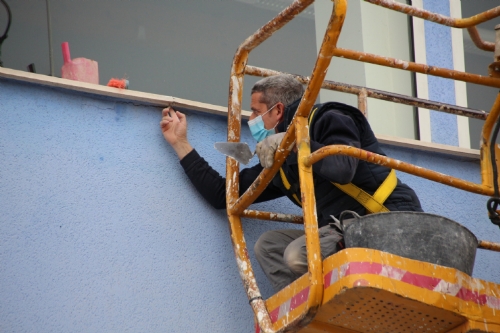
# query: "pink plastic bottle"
{"points": [[79, 69]]}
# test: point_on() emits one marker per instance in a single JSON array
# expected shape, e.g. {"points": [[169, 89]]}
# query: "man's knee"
{"points": [[295, 257]]}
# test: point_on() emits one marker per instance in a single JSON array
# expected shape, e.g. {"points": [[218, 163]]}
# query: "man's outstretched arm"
{"points": [[208, 182]]}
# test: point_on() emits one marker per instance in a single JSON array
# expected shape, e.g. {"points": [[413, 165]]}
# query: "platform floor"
{"points": [[372, 291]]}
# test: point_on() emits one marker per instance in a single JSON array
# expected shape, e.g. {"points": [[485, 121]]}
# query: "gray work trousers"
{"points": [[282, 253]]}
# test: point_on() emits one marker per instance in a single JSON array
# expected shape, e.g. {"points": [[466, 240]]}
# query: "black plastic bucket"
{"points": [[414, 235]]}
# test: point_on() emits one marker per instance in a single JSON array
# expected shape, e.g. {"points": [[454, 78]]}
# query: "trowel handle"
{"points": [[65, 52]]}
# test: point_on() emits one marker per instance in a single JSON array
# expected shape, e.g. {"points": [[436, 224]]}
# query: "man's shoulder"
{"points": [[339, 108], [332, 111]]}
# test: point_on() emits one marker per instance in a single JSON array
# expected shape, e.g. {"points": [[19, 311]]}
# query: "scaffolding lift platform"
{"points": [[372, 291], [358, 289]]}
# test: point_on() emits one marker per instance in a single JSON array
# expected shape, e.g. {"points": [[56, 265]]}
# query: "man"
{"points": [[274, 101]]}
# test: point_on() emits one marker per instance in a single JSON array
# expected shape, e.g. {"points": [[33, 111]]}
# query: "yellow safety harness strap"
{"points": [[288, 186], [309, 120], [375, 203], [282, 173]]}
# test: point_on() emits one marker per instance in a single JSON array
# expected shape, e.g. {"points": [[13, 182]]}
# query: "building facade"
{"points": [[102, 231]]}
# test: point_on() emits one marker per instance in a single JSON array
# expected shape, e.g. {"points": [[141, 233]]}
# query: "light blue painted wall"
{"points": [[439, 53], [101, 231]]}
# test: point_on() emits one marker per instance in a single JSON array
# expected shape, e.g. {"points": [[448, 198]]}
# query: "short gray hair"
{"points": [[282, 88]]}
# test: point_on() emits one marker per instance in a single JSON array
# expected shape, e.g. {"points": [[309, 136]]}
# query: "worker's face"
{"points": [[270, 117]]}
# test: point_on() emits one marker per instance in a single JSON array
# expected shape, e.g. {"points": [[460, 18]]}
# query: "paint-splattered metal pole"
{"points": [[232, 171], [279, 217], [480, 44], [489, 246], [232, 177], [378, 94], [398, 165], [417, 68]]}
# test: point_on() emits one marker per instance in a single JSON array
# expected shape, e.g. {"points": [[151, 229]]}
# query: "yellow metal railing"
{"points": [[236, 205], [297, 132]]}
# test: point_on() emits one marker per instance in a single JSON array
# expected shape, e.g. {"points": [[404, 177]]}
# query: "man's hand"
{"points": [[174, 127], [267, 148]]}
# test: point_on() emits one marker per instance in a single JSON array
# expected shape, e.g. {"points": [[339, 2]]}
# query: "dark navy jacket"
{"points": [[333, 123]]}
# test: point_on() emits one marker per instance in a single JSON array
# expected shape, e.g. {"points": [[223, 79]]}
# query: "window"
{"points": [[373, 29], [175, 48], [185, 48], [477, 61]]}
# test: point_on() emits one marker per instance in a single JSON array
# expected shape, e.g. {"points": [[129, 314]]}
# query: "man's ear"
{"points": [[280, 107]]}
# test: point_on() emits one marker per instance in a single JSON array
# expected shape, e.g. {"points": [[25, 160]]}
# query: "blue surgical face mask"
{"points": [[259, 132]]}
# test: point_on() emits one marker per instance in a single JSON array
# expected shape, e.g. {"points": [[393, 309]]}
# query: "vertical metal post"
{"points": [[51, 60], [494, 67], [486, 158], [314, 259], [232, 167], [497, 42], [362, 101]]}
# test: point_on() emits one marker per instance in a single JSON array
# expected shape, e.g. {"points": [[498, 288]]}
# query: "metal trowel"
{"points": [[240, 151]]}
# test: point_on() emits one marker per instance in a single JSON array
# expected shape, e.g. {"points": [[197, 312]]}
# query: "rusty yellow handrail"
{"points": [[298, 131], [398, 165], [363, 93], [260, 215], [489, 246], [314, 258], [417, 68], [487, 175], [236, 90], [480, 44], [485, 188], [235, 207], [312, 90], [232, 175]]}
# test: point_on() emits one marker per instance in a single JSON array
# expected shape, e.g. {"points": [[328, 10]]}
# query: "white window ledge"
{"points": [[164, 101]]}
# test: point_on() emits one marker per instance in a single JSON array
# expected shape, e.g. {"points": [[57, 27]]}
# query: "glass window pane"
{"points": [[477, 61], [373, 29], [176, 48], [185, 48]]}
